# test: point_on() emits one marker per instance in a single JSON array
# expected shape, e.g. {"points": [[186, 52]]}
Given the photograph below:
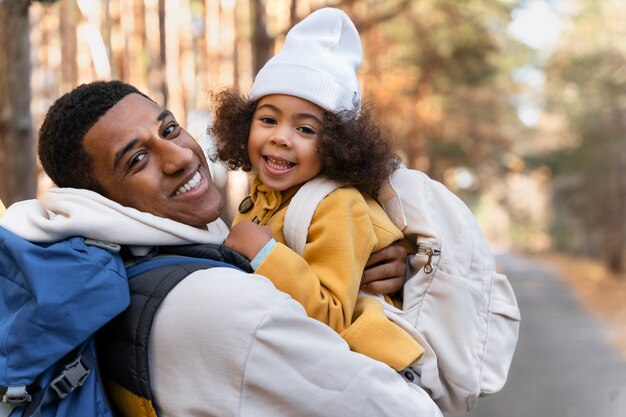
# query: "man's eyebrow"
{"points": [[163, 115], [120, 154]]}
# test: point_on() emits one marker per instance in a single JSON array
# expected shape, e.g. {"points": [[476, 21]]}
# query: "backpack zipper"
{"points": [[430, 252]]}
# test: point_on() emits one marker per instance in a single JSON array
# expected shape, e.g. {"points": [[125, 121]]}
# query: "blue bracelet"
{"points": [[260, 257]]}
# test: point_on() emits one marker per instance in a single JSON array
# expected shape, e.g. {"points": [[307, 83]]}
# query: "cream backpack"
{"points": [[455, 304]]}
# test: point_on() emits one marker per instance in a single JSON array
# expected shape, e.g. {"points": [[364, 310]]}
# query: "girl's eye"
{"points": [[268, 120], [307, 130]]}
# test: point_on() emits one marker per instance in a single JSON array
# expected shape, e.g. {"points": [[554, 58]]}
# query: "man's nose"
{"points": [[174, 157]]}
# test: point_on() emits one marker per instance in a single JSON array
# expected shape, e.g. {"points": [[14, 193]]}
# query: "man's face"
{"points": [[143, 159]]}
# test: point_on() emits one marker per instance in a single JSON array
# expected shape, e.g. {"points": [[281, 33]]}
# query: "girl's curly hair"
{"points": [[350, 145]]}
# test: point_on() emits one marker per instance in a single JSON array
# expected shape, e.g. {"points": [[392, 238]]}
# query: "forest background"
{"points": [[532, 138]]}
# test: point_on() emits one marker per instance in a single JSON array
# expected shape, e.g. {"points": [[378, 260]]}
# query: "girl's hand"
{"points": [[248, 238], [385, 271]]}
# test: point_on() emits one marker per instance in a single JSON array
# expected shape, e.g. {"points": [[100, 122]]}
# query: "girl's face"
{"points": [[282, 144]]}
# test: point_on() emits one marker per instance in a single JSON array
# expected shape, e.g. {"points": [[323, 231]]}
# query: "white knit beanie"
{"points": [[318, 62]]}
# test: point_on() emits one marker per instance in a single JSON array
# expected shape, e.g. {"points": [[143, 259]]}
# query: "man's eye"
{"points": [[170, 129], [137, 159]]}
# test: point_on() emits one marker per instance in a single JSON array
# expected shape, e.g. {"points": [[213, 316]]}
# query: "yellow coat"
{"points": [[346, 228], [2, 209]]}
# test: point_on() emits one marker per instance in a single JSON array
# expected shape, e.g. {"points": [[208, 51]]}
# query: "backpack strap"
{"points": [[123, 343], [210, 251], [301, 209], [119, 340], [71, 376]]}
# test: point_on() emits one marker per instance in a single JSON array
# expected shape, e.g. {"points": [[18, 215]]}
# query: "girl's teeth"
{"points": [[278, 164]]}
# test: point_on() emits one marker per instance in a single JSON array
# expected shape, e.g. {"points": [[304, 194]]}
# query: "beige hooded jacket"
{"points": [[227, 343]]}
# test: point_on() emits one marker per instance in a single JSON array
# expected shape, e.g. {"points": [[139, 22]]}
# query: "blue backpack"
{"points": [[55, 297]]}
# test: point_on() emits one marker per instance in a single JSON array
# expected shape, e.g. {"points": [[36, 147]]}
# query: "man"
{"points": [[223, 343]]}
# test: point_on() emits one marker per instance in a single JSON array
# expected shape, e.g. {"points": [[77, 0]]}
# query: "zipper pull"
{"points": [[430, 252]]}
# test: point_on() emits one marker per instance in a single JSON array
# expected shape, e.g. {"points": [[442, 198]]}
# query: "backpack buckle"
{"points": [[15, 395], [110, 246], [72, 377]]}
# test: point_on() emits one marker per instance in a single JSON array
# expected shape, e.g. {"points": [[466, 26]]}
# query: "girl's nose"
{"points": [[281, 138]]}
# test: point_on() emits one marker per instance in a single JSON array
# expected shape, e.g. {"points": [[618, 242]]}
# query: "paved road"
{"points": [[562, 366]]}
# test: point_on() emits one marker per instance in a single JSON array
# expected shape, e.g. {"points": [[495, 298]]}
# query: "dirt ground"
{"points": [[602, 292]]}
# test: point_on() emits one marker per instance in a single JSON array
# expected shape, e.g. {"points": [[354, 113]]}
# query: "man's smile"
{"points": [[189, 185]]}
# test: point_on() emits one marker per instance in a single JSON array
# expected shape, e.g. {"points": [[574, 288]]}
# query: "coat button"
{"points": [[246, 205]]}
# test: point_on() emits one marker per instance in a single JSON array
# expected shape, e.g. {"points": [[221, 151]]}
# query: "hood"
{"points": [[66, 212]]}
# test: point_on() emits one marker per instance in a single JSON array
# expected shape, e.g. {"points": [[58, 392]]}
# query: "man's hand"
{"points": [[385, 271], [248, 238]]}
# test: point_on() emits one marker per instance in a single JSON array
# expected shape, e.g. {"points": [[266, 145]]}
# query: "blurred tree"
{"points": [[154, 19], [439, 75], [17, 142], [587, 85], [438, 71], [69, 47], [261, 42]]}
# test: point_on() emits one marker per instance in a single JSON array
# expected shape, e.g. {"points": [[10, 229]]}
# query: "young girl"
{"points": [[303, 118]]}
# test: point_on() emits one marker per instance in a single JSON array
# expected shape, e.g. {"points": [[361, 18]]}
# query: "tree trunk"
{"points": [[156, 76], [116, 33], [212, 19], [614, 201], [293, 13], [175, 101], [262, 44], [69, 67], [236, 50], [202, 61], [188, 88], [17, 142], [614, 224], [135, 46], [163, 57]]}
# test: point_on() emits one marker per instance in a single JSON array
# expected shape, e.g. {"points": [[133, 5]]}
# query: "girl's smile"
{"points": [[278, 165]]}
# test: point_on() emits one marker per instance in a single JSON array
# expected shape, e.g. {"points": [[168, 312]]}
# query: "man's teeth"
{"points": [[192, 183]]}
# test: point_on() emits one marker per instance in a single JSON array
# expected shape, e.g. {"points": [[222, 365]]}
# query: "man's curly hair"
{"points": [[351, 148], [67, 121]]}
